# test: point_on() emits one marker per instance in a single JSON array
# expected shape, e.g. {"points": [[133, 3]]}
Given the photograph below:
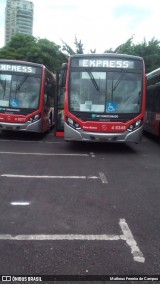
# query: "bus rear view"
{"points": [[104, 98]]}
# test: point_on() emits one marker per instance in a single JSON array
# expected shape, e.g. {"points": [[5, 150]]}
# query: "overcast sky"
{"points": [[100, 25]]}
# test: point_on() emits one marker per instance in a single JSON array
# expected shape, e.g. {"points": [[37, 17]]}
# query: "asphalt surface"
{"points": [[82, 209]]}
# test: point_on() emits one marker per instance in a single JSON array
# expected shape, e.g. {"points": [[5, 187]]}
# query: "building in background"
{"points": [[18, 18]]}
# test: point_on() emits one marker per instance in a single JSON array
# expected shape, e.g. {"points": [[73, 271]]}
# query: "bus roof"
{"points": [[24, 63], [117, 55], [20, 62], [153, 73]]}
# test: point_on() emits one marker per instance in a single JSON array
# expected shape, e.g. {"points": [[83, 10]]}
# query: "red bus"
{"points": [[104, 97], [27, 93], [152, 118]]}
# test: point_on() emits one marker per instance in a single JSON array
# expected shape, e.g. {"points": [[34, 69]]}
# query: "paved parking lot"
{"points": [[78, 209]]}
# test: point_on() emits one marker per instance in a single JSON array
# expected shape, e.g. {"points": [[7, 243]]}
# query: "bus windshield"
{"points": [[19, 91], [105, 92]]}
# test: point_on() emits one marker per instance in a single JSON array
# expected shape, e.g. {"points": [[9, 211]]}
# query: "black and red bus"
{"points": [[152, 118], [105, 97], [27, 95]]}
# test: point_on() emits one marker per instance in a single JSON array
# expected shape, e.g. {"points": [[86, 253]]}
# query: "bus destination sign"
{"points": [[106, 63], [17, 68]]}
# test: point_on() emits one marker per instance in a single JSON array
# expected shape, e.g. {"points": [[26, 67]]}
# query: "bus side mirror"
{"points": [[62, 76]]}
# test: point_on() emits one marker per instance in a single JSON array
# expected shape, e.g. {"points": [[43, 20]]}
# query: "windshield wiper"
{"points": [[92, 78], [4, 89], [22, 82], [118, 81]]}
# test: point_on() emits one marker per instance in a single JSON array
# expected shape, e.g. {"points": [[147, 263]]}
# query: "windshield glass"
{"points": [[105, 92], [19, 91]]}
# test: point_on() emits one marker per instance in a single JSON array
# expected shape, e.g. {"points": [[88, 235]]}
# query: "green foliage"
{"points": [[149, 51], [70, 51], [126, 47], [28, 48], [79, 46], [93, 50], [67, 48], [43, 51]]}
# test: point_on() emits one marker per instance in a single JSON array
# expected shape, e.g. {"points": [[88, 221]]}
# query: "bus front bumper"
{"points": [[71, 134], [28, 126]]}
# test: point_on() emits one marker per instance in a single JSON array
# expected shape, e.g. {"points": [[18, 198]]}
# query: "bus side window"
{"points": [[157, 99], [150, 93], [50, 89], [62, 76], [46, 93]]}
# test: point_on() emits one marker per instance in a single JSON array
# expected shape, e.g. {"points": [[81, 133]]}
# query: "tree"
{"points": [[79, 46], [67, 48], [126, 47], [70, 51], [149, 51], [29, 48], [43, 51], [93, 50]]}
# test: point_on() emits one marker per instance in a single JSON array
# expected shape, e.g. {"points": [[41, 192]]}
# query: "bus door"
{"points": [[59, 106], [49, 101], [156, 109], [152, 120]]}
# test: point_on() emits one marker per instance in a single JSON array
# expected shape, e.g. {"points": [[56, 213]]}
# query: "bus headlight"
{"points": [[73, 124], [131, 127], [135, 125], [138, 123], [37, 116], [34, 118]]}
